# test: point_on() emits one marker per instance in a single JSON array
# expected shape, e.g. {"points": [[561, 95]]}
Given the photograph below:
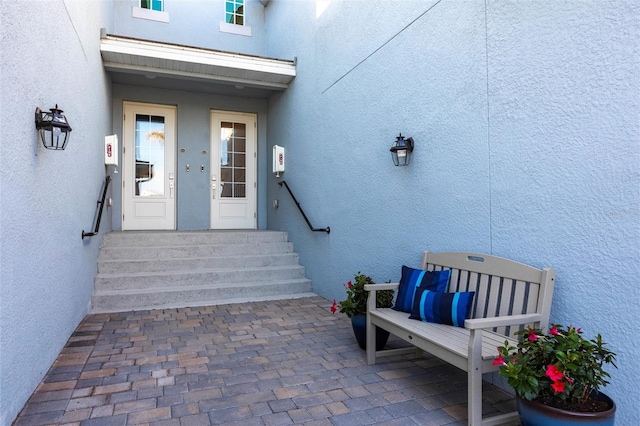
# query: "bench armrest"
{"points": [[371, 302], [385, 286], [478, 323]]}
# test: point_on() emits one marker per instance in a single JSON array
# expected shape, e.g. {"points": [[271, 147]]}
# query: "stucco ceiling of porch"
{"points": [[170, 66]]}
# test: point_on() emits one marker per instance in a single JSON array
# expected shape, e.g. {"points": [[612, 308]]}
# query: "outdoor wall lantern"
{"points": [[401, 150], [53, 128]]}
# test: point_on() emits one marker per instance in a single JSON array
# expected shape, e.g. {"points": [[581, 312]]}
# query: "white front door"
{"points": [[149, 167], [233, 170]]}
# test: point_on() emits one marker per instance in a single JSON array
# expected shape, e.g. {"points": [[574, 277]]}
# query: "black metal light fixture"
{"points": [[401, 150], [53, 128]]}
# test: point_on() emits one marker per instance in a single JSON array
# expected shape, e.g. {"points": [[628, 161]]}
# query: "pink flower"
{"points": [[554, 331], [532, 336], [554, 373], [499, 360], [334, 306], [349, 284], [558, 387]]}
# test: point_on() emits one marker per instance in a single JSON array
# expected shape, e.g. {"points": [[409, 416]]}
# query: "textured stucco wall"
{"points": [[194, 127], [193, 23], [526, 119], [49, 54]]}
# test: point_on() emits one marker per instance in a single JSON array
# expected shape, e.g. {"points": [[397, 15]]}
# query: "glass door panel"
{"points": [[233, 147], [150, 156], [148, 164]]}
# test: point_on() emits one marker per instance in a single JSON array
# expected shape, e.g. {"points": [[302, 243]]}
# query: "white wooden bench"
{"points": [[509, 295]]}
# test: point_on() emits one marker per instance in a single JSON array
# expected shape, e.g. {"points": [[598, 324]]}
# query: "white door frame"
{"points": [[156, 207], [233, 185]]}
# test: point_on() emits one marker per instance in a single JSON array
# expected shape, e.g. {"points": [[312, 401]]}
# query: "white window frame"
{"points": [[227, 14], [161, 2], [238, 29], [150, 14]]}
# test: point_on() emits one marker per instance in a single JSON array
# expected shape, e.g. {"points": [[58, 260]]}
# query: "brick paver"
{"points": [[260, 363]]}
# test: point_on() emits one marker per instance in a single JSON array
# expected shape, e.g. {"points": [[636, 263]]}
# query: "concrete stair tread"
{"points": [[155, 246], [180, 251], [199, 271], [214, 247], [164, 238], [187, 257], [201, 287], [207, 302]]}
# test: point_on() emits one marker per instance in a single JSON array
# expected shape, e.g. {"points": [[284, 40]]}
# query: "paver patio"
{"points": [[259, 363]]}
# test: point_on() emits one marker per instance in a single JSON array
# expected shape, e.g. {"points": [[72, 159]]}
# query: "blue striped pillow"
{"points": [[442, 308], [413, 278]]}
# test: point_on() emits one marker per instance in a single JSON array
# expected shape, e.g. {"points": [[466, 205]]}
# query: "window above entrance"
{"points": [[235, 21], [152, 10], [234, 13]]}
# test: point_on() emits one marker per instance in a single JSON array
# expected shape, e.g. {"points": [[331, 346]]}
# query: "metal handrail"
{"points": [[100, 208], [327, 229]]}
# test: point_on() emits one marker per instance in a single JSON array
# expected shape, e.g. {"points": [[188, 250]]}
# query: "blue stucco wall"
{"points": [[526, 118], [49, 54], [194, 127], [193, 23]]}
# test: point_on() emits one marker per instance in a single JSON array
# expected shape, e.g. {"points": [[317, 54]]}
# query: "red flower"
{"points": [[349, 284], [499, 360], [554, 373], [334, 306], [554, 331], [558, 387], [532, 336]]}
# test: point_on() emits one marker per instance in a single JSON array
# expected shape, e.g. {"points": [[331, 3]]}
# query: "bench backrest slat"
{"points": [[502, 286], [458, 277], [482, 295], [504, 304]]}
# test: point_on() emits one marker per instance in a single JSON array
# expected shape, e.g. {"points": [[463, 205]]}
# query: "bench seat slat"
{"points": [[455, 339]]}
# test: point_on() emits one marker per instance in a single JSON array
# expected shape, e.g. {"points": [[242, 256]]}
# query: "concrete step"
{"points": [[199, 295], [191, 263], [151, 281], [179, 238], [189, 251], [158, 269]]}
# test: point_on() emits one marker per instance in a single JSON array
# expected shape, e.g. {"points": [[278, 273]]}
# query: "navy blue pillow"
{"points": [[442, 308], [413, 278]]}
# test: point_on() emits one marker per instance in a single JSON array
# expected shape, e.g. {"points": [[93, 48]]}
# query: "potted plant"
{"points": [[558, 376], [355, 307]]}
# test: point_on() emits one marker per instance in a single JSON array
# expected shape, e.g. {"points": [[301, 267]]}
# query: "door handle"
{"points": [[170, 189], [213, 190]]}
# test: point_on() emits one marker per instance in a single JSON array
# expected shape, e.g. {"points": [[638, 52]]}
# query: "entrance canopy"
{"points": [[142, 62]]}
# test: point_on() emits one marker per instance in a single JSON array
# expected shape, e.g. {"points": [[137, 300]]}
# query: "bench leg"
{"points": [[371, 342], [474, 391]]}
